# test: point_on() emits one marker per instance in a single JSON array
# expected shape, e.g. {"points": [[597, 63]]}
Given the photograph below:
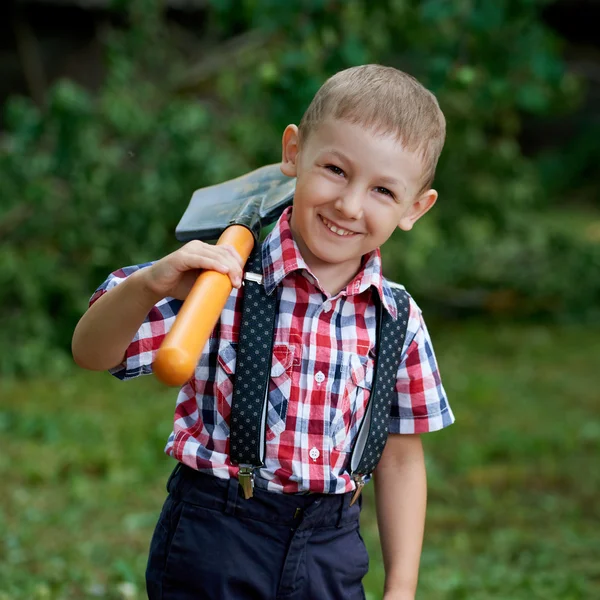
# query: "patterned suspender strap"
{"points": [[252, 374], [373, 432]]}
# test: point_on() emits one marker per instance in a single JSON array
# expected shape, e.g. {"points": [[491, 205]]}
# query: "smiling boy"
{"points": [[364, 156], [354, 187]]}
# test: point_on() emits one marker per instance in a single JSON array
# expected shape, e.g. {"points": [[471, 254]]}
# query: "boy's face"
{"points": [[353, 188]]}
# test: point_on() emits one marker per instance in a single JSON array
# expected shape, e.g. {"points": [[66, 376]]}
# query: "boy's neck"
{"points": [[331, 277]]}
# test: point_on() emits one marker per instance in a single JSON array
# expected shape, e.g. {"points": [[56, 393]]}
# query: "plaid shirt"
{"points": [[321, 373]]}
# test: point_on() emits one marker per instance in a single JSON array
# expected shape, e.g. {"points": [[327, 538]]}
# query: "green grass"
{"points": [[512, 515]]}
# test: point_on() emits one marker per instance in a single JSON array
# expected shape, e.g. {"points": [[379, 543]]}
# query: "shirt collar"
{"points": [[281, 257]]}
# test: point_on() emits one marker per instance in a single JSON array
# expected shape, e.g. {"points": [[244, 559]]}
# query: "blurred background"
{"points": [[114, 111]]}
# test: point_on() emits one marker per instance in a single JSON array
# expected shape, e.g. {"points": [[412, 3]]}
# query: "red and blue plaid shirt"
{"points": [[321, 373]]}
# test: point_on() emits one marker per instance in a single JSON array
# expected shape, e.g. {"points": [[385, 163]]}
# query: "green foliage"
{"points": [[90, 183], [512, 510]]}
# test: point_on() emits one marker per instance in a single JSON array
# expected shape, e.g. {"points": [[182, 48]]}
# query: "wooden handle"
{"points": [[180, 351]]}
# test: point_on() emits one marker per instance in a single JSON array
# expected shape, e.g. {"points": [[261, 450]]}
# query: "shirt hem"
{"points": [[437, 422]]}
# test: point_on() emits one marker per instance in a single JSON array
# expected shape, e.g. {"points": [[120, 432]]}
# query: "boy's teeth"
{"points": [[335, 229]]}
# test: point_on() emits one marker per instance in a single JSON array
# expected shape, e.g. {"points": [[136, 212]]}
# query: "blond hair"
{"points": [[385, 100]]}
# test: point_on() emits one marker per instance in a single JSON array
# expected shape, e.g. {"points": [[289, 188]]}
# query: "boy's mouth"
{"points": [[336, 228]]}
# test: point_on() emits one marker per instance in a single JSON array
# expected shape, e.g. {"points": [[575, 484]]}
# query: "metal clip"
{"points": [[255, 277], [246, 479], [360, 484]]}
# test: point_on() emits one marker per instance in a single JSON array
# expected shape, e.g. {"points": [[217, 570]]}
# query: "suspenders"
{"points": [[252, 377]]}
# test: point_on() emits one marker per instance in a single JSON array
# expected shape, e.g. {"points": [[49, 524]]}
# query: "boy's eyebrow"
{"points": [[337, 153], [392, 181]]}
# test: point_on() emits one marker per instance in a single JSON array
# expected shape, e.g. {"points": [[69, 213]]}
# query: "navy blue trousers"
{"points": [[212, 544]]}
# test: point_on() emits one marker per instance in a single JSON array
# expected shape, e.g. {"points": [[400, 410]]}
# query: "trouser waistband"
{"points": [[310, 511]]}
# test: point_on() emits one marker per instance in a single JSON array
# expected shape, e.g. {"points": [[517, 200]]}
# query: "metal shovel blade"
{"points": [[255, 200]]}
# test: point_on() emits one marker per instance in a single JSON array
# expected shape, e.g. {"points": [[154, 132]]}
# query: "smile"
{"points": [[335, 229]]}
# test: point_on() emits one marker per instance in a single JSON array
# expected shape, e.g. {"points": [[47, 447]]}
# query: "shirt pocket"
{"points": [[280, 385], [350, 410], [280, 389]]}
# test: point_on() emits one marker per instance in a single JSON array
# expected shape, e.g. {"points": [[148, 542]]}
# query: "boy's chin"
{"points": [[337, 259]]}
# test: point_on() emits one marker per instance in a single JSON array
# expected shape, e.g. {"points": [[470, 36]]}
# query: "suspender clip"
{"points": [[246, 479], [359, 480]]}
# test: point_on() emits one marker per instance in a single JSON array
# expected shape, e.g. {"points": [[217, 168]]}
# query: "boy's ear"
{"points": [[417, 209], [289, 151]]}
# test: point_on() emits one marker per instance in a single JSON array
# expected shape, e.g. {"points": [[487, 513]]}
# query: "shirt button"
{"points": [[314, 453], [326, 306], [320, 377]]}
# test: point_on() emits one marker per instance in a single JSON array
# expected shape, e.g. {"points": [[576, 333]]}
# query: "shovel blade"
{"points": [[213, 209]]}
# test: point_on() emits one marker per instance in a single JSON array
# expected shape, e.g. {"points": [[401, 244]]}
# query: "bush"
{"points": [[92, 183]]}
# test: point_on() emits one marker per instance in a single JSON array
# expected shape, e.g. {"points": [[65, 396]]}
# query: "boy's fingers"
{"points": [[222, 258], [233, 261], [224, 251], [211, 261], [203, 256], [232, 258], [233, 252], [221, 262], [227, 268], [202, 250]]}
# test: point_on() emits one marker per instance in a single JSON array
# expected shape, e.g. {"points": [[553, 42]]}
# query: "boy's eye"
{"points": [[334, 169], [385, 191]]}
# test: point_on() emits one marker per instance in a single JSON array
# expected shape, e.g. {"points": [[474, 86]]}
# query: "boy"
{"points": [[364, 157]]}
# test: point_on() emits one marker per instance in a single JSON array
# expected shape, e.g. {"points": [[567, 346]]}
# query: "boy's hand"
{"points": [[175, 274]]}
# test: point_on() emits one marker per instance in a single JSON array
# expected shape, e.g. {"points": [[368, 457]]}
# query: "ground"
{"points": [[512, 485]]}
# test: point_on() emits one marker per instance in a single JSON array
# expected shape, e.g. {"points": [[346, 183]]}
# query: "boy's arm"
{"points": [[401, 496], [105, 331]]}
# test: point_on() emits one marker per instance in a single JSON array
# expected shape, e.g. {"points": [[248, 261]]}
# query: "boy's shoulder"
{"points": [[415, 322], [393, 291], [394, 285]]}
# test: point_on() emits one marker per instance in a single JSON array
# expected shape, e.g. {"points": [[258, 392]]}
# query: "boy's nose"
{"points": [[350, 204]]}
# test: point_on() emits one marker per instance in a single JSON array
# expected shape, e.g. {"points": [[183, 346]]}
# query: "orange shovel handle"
{"points": [[180, 351]]}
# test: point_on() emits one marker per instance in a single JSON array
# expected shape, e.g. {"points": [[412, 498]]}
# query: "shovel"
{"points": [[234, 212]]}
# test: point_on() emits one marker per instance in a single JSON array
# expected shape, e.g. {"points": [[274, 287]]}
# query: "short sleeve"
{"points": [[420, 404], [142, 349]]}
